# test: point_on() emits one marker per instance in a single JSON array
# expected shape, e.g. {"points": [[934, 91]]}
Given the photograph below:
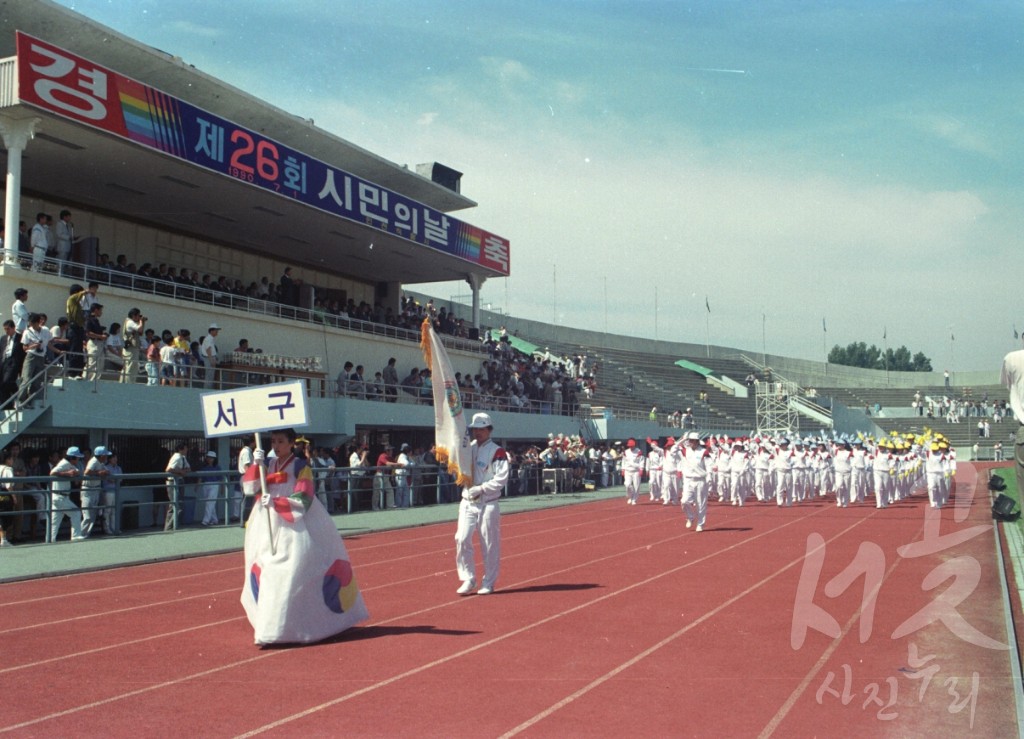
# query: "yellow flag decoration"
{"points": [[451, 439]]}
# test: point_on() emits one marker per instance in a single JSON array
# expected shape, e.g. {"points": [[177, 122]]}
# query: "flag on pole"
{"points": [[885, 333], [707, 303], [1015, 334], [823, 325], [450, 436]]}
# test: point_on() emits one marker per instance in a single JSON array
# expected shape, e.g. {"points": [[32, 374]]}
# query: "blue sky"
{"points": [[859, 162]]}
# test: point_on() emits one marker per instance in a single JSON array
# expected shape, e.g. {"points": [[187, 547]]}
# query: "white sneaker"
{"points": [[689, 524], [5, 543], [699, 528], [485, 590], [466, 588]]}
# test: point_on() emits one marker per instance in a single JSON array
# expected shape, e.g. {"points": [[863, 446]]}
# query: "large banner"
{"points": [[61, 82]]}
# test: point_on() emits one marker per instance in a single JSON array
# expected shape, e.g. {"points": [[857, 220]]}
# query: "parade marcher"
{"points": [[842, 463], [739, 465], [858, 475], [632, 466], [299, 586], [936, 470], [654, 462], [762, 475], [782, 467], [479, 511], [670, 472], [694, 468]]}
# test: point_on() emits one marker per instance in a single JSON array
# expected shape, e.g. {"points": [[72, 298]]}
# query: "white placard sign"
{"points": [[262, 408]]}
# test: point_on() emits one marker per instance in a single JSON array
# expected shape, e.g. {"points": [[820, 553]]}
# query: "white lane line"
{"points": [[118, 645], [665, 642], [516, 632]]}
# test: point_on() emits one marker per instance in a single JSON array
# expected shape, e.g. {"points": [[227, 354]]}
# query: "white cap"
{"points": [[211, 454], [481, 421], [214, 326], [693, 436]]}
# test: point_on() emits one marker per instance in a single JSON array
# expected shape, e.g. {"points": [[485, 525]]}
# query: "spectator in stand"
{"points": [[344, 381], [133, 337], [357, 464], [383, 490], [92, 488], [375, 388], [96, 342], [113, 351], [412, 383], [209, 355], [38, 241], [183, 358], [65, 236], [66, 469], [35, 359], [390, 375], [357, 383], [12, 355], [210, 485], [111, 522]]}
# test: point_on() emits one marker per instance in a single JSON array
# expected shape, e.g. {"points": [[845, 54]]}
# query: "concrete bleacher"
{"points": [[897, 414], [657, 381]]}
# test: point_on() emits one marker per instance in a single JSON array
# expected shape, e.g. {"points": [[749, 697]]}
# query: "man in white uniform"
{"points": [[654, 457], [92, 488], [1012, 377], [479, 511], [695, 481], [632, 465]]}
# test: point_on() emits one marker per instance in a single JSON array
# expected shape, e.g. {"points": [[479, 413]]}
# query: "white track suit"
{"points": [[654, 471], [782, 466], [935, 467], [842, 463], [669, 479], [490, 473], [695, 484], [632, 465]]}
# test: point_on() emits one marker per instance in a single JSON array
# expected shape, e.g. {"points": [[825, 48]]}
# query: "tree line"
{"points": [[859, 354]]}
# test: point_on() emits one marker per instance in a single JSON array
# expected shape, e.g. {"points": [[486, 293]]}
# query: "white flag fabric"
{"points": [[450, 436]]}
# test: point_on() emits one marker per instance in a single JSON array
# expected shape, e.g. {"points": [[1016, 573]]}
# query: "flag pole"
{"points": [[263, 490]]}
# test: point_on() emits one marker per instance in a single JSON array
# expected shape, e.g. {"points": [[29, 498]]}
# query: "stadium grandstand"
{"points": [[202, 205]]}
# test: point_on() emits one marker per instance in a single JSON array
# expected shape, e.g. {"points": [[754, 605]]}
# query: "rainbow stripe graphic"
{"points": [[151, 118], [467, 243]]}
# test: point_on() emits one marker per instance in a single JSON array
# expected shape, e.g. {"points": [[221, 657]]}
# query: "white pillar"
{"points": [[475, 283], [16, 133]]}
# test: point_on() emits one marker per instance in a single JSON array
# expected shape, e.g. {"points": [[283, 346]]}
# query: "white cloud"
{"points": [[195, 29]]}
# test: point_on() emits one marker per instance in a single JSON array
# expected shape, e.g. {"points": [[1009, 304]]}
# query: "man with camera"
{"points": [[134, 327]]}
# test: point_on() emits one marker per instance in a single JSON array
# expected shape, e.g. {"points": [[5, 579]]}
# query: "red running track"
{"points": [[610, 620]]}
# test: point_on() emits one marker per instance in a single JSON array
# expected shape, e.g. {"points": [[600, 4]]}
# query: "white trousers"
{"points": [[669, 487], [91, 500], [632, 480], [695, 500], [783, 483], [484, 519], [843, 489], [62, 506], [209, 492], [654, 483]]}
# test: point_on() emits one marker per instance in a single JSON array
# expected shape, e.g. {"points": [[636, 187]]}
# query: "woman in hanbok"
{"points": [[299, 584]]}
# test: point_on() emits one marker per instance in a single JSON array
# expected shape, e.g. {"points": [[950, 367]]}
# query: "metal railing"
{"points": [[138, 502], [215, 297]]}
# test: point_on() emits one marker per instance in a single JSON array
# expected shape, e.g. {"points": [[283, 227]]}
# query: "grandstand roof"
{"points": [[85, 167]]}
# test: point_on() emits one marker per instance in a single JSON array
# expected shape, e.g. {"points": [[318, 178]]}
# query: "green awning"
{"points": [[518, 344], [694, 367]]}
